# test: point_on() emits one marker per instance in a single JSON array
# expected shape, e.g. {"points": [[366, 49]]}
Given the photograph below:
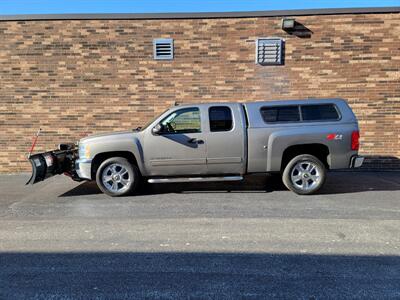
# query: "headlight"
{"points": [[84, 151]]}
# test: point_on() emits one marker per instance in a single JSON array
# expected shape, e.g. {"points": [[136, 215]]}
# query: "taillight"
{"points": [[355, 140]]}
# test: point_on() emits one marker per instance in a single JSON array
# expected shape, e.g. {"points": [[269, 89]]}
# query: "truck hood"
{"points": [[107, 135]]}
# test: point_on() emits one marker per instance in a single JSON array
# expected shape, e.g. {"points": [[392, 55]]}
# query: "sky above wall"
{"points": [[11, 7]]}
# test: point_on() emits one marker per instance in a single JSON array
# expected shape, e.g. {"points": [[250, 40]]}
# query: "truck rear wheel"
{"points": [[116, 176], [304, 174]]}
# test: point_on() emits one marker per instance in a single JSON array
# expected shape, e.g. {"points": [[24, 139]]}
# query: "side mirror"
{"points": [[158, 129]]}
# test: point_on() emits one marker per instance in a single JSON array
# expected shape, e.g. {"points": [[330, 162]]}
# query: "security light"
{"points": [[288, 24]]}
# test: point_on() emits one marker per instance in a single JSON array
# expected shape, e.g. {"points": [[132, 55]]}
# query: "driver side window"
{"points": [[186, 120]]}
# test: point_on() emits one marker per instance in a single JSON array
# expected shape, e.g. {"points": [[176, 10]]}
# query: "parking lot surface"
{"points": [[253, 240]]}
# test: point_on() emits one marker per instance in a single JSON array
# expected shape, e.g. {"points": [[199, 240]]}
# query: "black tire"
{"points": [[307, 182], [131, 177]]}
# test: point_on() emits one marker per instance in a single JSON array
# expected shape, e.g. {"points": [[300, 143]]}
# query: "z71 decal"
{"points": [[334, 136]]}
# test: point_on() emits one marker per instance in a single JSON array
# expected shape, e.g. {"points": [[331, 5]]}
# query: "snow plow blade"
{"points": [[48, 164]]}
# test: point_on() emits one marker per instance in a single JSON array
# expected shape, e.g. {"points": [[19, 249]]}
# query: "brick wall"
{"points": [[74, 78]]}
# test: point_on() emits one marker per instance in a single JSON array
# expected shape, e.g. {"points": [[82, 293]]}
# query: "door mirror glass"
{"points": [[158, 129]]}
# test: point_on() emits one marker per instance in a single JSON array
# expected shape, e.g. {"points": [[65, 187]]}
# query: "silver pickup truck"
{"points": [[300, 139]]}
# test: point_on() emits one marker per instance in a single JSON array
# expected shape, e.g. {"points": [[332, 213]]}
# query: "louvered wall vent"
{"points": [[163, 48], [269, 51]]}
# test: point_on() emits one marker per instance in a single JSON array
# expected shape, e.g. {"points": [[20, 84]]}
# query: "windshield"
{"points": [[151, 121]]}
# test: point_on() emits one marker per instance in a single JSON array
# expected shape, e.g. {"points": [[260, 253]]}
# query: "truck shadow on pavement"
{"points": [[184, 275], [337, 183]]}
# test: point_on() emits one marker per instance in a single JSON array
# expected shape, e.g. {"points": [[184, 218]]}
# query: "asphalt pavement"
{"points": [[251, 240]]}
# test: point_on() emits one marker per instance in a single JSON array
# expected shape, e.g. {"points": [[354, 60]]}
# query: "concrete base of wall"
{"points": [[381, 163]]}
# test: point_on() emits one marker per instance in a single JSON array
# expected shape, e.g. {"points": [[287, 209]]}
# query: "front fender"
{"points": [[123, 144]]}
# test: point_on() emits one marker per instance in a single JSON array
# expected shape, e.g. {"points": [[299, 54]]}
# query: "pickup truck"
{"points": [[299, 139]]}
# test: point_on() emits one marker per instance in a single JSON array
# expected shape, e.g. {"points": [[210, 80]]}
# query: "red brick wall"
{"points": [[73, 78]]}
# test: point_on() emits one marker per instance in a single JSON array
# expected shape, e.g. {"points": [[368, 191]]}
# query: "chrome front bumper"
{"points": [[83, 168], [356, 161]]}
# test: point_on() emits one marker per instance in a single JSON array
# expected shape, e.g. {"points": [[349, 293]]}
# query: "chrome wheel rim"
{"points": [[305, 175], [116, 178]]}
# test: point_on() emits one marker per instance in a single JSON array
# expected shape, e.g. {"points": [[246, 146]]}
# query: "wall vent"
{"points": [[163, 48], [269, 51]]}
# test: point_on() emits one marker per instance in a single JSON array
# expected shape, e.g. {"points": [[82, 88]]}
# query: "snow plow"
{"points": [[48, 164]]}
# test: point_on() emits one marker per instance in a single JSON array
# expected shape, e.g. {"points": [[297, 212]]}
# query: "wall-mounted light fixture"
{"points": [[292, 27], [288, 24]]}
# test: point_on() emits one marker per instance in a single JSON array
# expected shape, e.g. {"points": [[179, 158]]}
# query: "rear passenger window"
{"points": [[280, 114], [319, 112], [220, 118]]}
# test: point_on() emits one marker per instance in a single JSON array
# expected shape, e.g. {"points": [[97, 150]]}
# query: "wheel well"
{"points": [[320, 151], [99, 158]]}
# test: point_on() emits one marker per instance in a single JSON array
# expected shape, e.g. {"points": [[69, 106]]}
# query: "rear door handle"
{"points": [[195, 141]]}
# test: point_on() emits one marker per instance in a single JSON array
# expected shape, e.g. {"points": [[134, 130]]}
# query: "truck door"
{"points": [[179, 147], [226, 139]]}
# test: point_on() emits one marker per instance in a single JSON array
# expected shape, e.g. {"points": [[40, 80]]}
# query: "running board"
{"points": [[195, 179]]}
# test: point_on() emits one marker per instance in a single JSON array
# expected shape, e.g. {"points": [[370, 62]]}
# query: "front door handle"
{"points": [[195, 141]]}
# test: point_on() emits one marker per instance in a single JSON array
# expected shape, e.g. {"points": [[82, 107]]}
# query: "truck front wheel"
{"points": [[116, 176], [304, 174]]}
